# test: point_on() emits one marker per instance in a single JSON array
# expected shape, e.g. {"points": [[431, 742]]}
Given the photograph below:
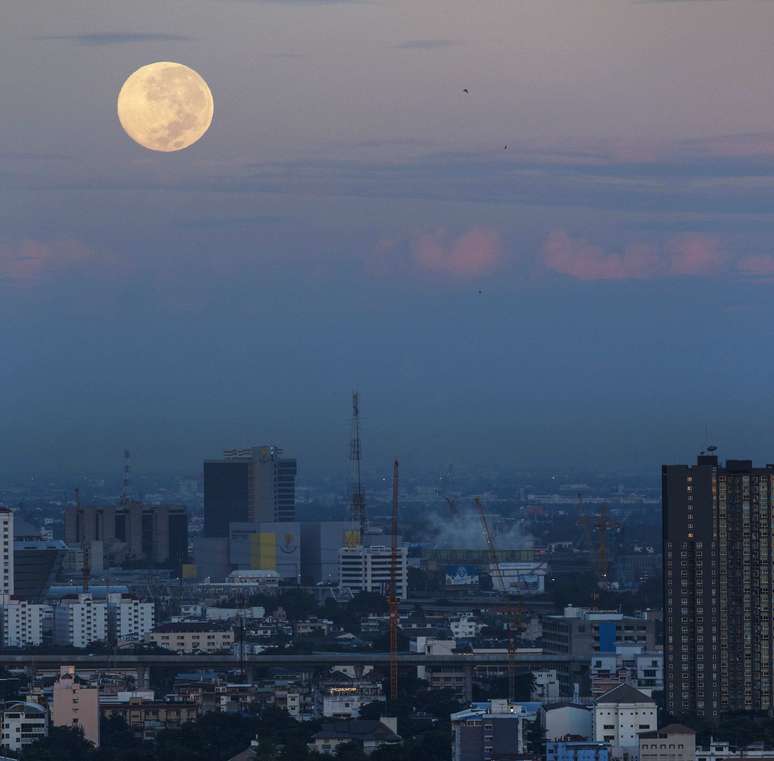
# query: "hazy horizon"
{"points": [[595, 295]]}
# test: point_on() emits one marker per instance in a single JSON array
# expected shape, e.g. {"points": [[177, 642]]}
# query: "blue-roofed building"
{"points": [[492, 730], [577, 751]]}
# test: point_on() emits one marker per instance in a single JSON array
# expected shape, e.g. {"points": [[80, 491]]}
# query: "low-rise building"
{"points": [[722, 751], [23, 724], [585, 632], [489, 730], [311, 627], [620, 716], [547, 687], [249, 613], [147, 717], [568, 750], [193, 637], [342, 696], [465, 626], [626, 665], [568, 720], [368, 734], [675, 742]]}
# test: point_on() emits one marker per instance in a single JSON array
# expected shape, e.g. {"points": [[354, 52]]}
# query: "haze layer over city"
{"points": [[386, 380]]}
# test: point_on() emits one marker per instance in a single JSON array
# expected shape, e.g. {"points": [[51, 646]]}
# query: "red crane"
{"points": [[494, 560], [393, 596]]}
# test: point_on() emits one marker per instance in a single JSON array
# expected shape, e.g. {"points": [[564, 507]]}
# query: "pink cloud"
{"points": [[30, 261], [584, 261], [474, 253], [694, 255], [685, 255], [757, 266]]}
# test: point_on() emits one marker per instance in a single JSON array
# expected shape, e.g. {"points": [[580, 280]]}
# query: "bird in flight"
{"points": [[465, 90], [506, 148]]}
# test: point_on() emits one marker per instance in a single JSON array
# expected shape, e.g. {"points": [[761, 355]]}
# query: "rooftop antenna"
{"points": [[125, 489], [358, 497]]}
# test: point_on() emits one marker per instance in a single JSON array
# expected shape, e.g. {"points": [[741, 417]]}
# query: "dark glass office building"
{"points": [[248, 486], [226, 494], [718, 524]]}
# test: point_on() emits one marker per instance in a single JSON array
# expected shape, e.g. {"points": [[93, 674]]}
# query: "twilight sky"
{"points": [[595, 295]]}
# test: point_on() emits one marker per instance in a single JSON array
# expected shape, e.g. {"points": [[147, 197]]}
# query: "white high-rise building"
{"points": [[24, 623], [79, 621], [6, 553], [367, 569], [130, 619]]}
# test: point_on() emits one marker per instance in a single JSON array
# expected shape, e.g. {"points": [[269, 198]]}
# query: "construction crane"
{"points": [[393, 596], [603, 524], [512, 612], [585, 522], [451, 502], [358, 496], [494, 560], [84, 543]]}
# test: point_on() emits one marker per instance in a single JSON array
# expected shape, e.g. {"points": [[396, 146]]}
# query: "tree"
{"points": [[350, 752], [62, 744], [214, 737], [115, 733], [366, 603], [534, 737]]}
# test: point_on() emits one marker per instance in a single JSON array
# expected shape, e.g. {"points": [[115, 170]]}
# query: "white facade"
{"points": [[130, 620], [721, 750], [627, 665], [620, 715], [6, 553], [80, 621], [465, 627], [341, 706], [569, 719], [367, 569], [430, 646], [546, 688], [23, 724], [23, 623], [254, 613], [527, 578]]}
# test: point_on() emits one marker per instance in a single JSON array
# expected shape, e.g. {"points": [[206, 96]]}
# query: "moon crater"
{"points": [[165, 106]]}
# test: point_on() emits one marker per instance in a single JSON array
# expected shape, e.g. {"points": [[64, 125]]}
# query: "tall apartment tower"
{"points": [[718, 524], [248, 486], [6, 554]]}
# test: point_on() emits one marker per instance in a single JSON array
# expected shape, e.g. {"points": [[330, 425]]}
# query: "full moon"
{"points": [[165, 106]]}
